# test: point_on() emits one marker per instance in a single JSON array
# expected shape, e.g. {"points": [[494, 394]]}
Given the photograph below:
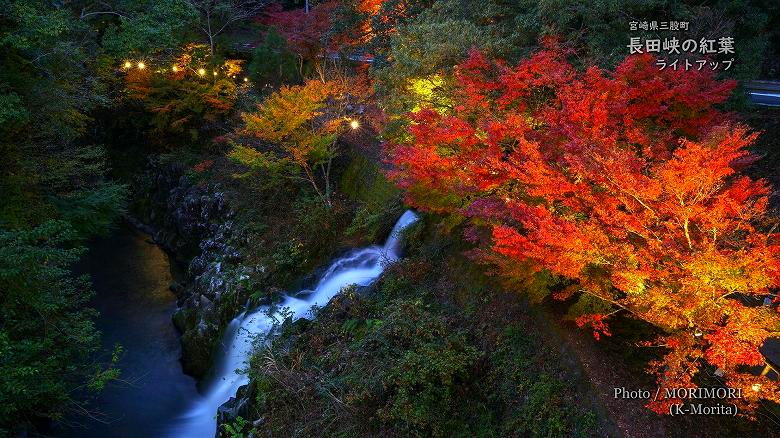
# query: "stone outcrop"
{"points": [[196, 224]]}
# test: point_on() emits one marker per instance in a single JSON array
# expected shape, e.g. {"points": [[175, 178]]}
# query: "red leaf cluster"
{"points": [[623, 181], [203, 166], [305, 32], [597, 322]]}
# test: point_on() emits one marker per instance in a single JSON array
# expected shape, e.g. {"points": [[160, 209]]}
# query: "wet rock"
{"points": [[183, 318], [194, 222], [232, 409], [196, 353], [238, 406]]}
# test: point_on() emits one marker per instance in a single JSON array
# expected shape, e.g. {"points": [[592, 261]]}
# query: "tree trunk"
{"points": [[326, 174], [210, 33]]}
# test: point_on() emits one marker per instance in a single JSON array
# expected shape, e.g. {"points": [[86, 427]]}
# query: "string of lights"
{"points": [[141, 65], [354, 124]]}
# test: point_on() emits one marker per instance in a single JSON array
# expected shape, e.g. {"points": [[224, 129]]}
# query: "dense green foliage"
{"points": [[55, 191], [272, 63], [416, 356], [48, 90], [143, 27], [46, 336]]}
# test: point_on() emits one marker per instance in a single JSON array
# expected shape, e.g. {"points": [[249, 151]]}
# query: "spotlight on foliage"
{"points": [[306, 121], [624, 186]]}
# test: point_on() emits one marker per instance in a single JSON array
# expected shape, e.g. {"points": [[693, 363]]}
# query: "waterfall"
{"points": [[359, 267]]}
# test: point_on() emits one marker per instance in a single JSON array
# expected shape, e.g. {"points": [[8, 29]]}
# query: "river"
{"points": [[131, 278], [155, 398]]}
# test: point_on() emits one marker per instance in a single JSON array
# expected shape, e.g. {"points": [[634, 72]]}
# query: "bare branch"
{"points": [[85, 14]]}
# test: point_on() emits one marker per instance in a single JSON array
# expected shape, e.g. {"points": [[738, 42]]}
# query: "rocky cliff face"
{"points": [[196, 224], [194, 218]]}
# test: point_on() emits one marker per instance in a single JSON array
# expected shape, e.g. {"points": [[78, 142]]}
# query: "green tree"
{"points": [[48, 167], [273, 63], [47, 338], [141, 28], [53, 193]]}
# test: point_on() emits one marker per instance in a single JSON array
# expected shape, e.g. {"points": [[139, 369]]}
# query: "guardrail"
{"points": [[766, 93]]}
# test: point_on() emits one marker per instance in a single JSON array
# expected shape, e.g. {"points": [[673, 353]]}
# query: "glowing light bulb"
{"points": [[128, 64], [201, 71], [354, 124], [215, 73], [141, 66], [246, 79], [175, 69], [756, 387]]}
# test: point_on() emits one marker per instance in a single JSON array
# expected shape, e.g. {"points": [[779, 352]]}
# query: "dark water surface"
{"points": [[131, 277]]}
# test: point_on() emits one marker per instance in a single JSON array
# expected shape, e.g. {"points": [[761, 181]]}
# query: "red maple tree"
{"points": [[306, 32], [623, 185]]}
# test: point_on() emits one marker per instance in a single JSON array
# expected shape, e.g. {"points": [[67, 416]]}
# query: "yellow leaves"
{"points": [[232, 67], [285, 114], [425, 91], [631, 282], [334, 125], [319, 148], [255, 159], [424, 87], [534, 123], [221, 95], [721, 273], [245, 155], [661, 307], [193, 56], [304, 120]]}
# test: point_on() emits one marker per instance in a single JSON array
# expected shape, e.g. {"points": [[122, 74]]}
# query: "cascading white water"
{"points": [[359, 267]]}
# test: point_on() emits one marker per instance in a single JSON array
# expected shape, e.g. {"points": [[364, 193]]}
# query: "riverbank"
{"points": [[243, 244], [131, 276]]}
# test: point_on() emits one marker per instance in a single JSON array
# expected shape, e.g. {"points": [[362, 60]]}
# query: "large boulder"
{"points": [[238, 406]]}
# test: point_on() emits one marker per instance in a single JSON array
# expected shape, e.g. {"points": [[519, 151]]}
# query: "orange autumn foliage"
{"points": [[184, 103], [370, 7], [624, 183], [303, 124]]}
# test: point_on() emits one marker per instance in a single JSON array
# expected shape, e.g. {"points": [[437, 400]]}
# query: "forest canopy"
{"points": [[561, 165]]}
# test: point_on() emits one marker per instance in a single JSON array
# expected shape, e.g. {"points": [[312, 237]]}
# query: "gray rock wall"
{"points": [[196, 224]]}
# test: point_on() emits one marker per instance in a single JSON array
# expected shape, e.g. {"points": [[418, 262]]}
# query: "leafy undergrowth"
{"points": [[433, 349]]}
